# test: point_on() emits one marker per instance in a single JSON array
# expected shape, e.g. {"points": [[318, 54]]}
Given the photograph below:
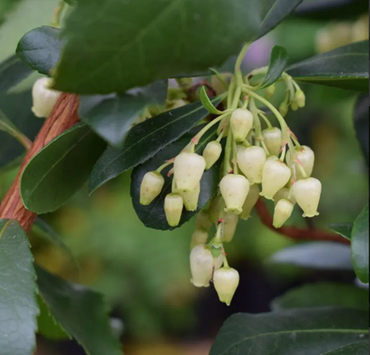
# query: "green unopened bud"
{"points": [[191, 198], [283, 211], [284, 109], [294, 106], [151, 187], [303, 156], [212, 153], [234, 190], [188, 171], [273, 138], [241, 123], [173, 206], [200, 236], [226, 281], [43, 97], [250, 202], [230, 223], [203, 221], [307, 192], [300, 99], [270, 91], [274, 177], [251, 161]]}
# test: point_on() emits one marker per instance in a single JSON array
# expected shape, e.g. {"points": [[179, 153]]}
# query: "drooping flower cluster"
{"points": [[257, 162]]}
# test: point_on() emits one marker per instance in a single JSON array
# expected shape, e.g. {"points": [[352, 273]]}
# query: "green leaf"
{"points": [[360, 246], [207, 103], [80, 311], [278, 62], [40, 48], [18, 306], [361, 123], [316, 255], [153, 216], [156, 39], [145, 140], [112, 116], [346, 68], [324, 294], [343, 229], [12, 72], [290, 332], [60, 169], [358, 348]]}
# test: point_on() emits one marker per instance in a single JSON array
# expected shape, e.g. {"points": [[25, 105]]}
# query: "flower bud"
{"points": [[44, 98], [250, 202], [217, 209], [230, 223], [190, 198], [251, 161], [294, 106], [283, 109], [284, 194], [241, 123], [218, 85], [200, 236], [308, 193], [151, 187], [283, 211], [273, 138], [234, 190], [226, 281], [274, 177], [203, 221], [173, 206], [188, 171], [300, 98], [212, 153], [303, 156], [270, 91]]}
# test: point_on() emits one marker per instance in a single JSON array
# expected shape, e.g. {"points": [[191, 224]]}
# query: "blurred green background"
{"points": [[145, 273]]}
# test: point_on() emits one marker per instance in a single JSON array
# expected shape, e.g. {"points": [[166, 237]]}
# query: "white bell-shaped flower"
{"points": [[275, 176], [173, 206], [241, 123], [251, 161], [212, 153], [200, 236], [283, 211], [151, 187], [303, 156], [273, 138], [226, 282], [250, 202], [191, 198], [234, 190], [188, 171], [44, 98], [307, 192], [230, 223]]}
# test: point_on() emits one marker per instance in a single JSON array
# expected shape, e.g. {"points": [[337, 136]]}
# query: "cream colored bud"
{"points": [[307, 192], [250, 202], [200, 236], [151, 187], [188, 171], [191, 198], [241, 123], [303, 156], [251, 161], [230, 223], [300, 99], [173, 206], [270, 91], [284, 109], [212, 153], [226, 282], [234, 190], [203, 221], [275, 176], [44, 98], [273, 138], [283, 211]]}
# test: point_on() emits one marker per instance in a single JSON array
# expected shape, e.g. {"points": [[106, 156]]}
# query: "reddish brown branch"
{"points": [[63, 117], [296, 233]]}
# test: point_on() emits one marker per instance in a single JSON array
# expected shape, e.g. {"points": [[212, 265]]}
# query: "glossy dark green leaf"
{"points": [[145, 140], [361, 123], [112, 116], [343, 229], [40, 48], [17, 107], [316, 255], [12, 72], [357, 348], [360, 246], [18, 305], [153, 216], [346, 68], [324, 294], [60, 169], [278, 62], [291, 332], [80, 311], [167, 39]]}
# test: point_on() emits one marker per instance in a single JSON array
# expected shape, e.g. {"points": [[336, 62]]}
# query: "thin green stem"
{"points": [[200, 134], [240, 59], [264, 146], [235, 158], [235, 102], [228, 150], [164, 166], [58, 13], [257, 122], [295, 140], [264, 117]]}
